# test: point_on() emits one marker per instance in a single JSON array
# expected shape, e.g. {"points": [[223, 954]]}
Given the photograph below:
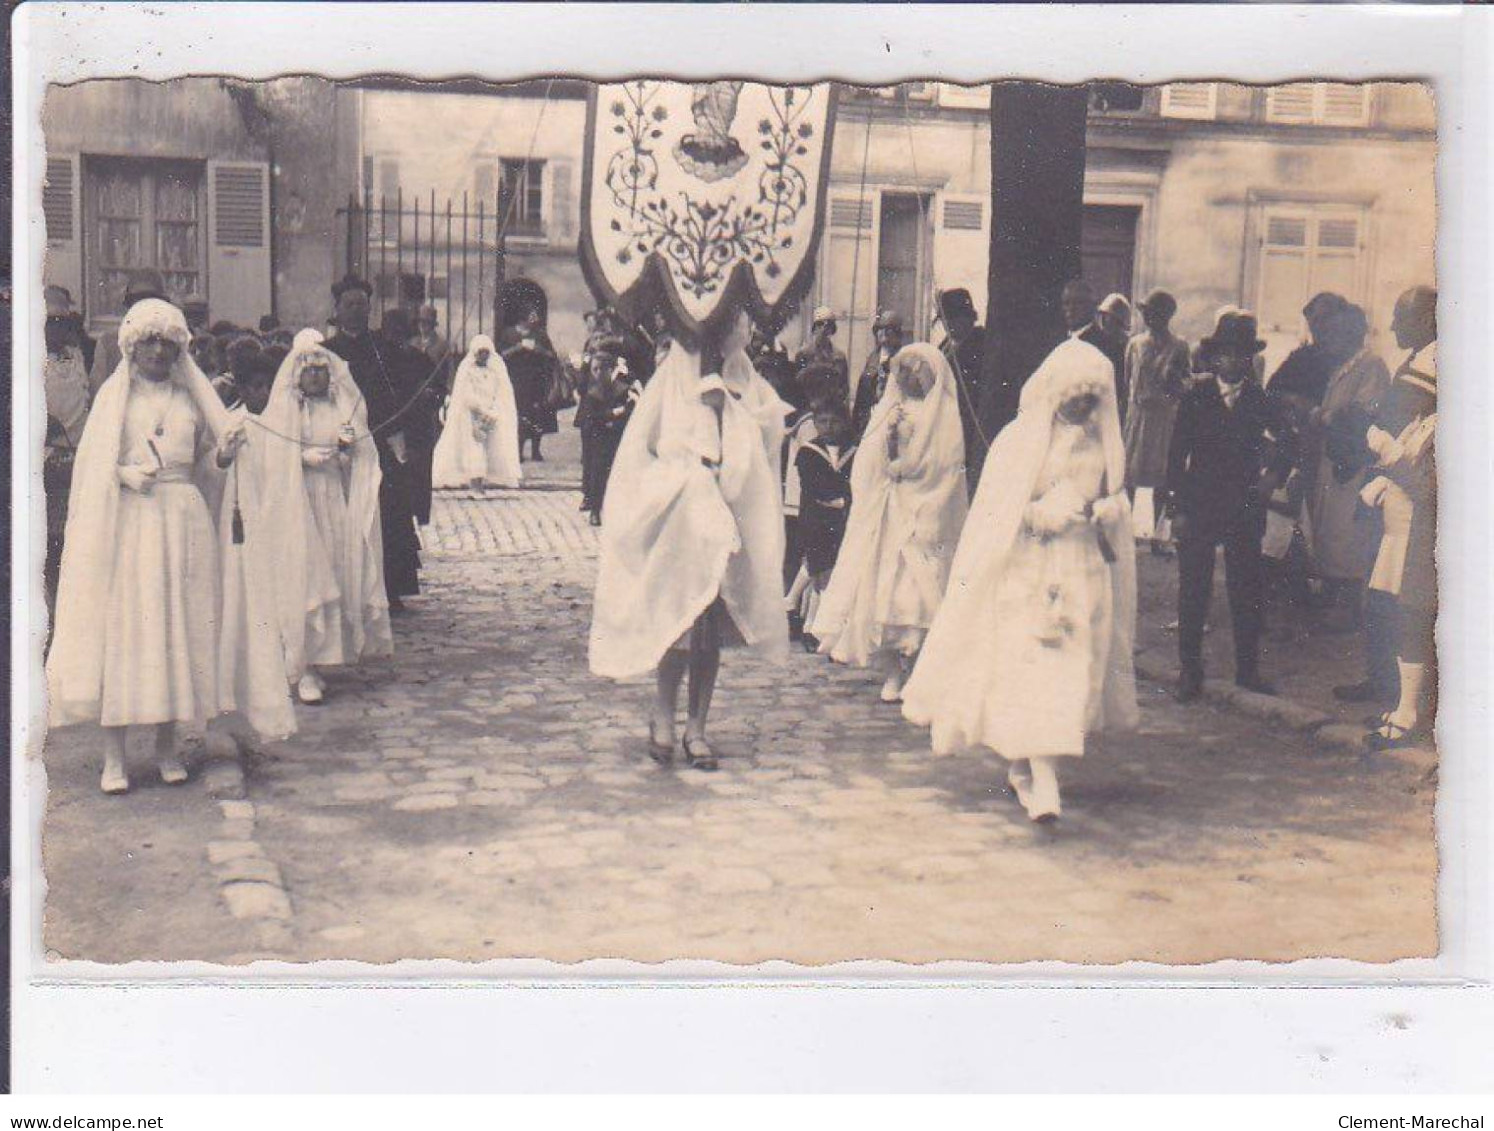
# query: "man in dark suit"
{"points": [[964, 347], [1232, 446]]}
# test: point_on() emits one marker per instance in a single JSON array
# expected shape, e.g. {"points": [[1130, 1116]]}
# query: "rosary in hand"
{"points": [[349, 436]]}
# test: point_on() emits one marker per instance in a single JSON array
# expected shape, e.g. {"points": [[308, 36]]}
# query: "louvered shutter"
{"points": [[238, 283], [562, 200], [1338, 254], [1292, 102], [848, 253], [61, 207], [1197, 100], [972, 97], [1344, 104], [1285, 272], [962, 244]]}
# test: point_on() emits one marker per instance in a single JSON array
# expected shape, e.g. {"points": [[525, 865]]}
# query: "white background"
{"points": [[1318, 1025]]}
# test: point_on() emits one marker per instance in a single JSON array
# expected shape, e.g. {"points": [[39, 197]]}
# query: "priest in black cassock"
{"points": [[384, 382]]}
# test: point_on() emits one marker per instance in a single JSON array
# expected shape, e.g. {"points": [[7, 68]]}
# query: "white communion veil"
{"points": [[75, 665], [945, 690], [307, 587]]}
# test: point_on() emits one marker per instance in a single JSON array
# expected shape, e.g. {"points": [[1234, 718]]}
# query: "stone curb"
{"points": [[1270, 708], [249, 882]]}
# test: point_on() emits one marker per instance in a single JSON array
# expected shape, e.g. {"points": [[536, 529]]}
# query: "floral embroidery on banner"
{"points": [[703, 239]]}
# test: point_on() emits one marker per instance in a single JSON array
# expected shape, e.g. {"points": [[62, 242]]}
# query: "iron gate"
{"points": [[417, 251]]}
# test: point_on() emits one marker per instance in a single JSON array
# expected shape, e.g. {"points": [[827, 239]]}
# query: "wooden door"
{"points": [[1108, 248]]}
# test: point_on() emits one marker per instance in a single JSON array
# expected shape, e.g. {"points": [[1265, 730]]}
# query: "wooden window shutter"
{"points": [[61, 207], [238, 278], [1344, 104], [850, 213], [562, 202], [1196, 100], [962, 245], [1292, 102]]}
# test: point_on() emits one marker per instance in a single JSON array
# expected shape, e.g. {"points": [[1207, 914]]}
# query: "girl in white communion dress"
{"points": [[1032, 649]]}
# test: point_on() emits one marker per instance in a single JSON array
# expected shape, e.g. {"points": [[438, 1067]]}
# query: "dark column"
{"points": [[1037, 208]]}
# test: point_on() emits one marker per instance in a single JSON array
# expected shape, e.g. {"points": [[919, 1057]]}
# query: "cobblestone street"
{"points": [[482, 796]]}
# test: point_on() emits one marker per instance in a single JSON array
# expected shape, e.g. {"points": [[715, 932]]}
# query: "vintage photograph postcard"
{"points": [[736, 520]]}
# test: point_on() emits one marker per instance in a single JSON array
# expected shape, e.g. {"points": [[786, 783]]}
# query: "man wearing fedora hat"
{"points": [[821, 348], [1232, 446], [888, 332]]}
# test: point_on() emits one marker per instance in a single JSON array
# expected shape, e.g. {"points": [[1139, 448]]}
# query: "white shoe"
{"points": [[1018, 778], [1041, 798], [309, 690], [892, 690], [173, 770], [114, 779]]}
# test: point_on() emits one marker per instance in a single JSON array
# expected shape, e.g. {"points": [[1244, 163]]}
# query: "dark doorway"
{"points": [[1108, 247], [902, 258]]}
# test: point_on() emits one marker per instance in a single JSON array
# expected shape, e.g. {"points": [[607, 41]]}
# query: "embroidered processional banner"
{"points": [[701, 198]]}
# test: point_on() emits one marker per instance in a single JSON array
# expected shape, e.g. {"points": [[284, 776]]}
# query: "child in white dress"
{"points": [[479, 445], [1031, 651], [908, 504], [138, 611], [322, 476]]}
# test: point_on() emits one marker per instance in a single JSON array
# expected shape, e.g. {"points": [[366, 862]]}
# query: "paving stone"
{"points": [[731, 881], [426, 802], [256, 901], [222, 851], [224, 780], [830, 831], [250, 869], [347, 933], [496, 798]]}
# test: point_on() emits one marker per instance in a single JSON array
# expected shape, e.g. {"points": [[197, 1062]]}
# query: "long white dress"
{"points": [[160, 625], [333, 608], [251, 658], [138, 636], [1032, 647], [905, 521], [1055, 605], [329, 637], [471, 446]]}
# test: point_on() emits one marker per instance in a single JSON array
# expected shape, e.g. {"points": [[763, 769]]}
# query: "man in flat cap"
{"points": [[887, 330]]}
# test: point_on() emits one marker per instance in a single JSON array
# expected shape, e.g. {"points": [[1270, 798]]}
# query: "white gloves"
{"points": [[1110, 509], [1373, 493], [317, 457], [1387, 450], [1055, 512]]}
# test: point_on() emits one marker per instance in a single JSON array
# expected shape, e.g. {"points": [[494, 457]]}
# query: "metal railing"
{"points": [[417, 251]]}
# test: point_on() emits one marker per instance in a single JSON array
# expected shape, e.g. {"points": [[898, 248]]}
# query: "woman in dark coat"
{"points": [[533, 364]]}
